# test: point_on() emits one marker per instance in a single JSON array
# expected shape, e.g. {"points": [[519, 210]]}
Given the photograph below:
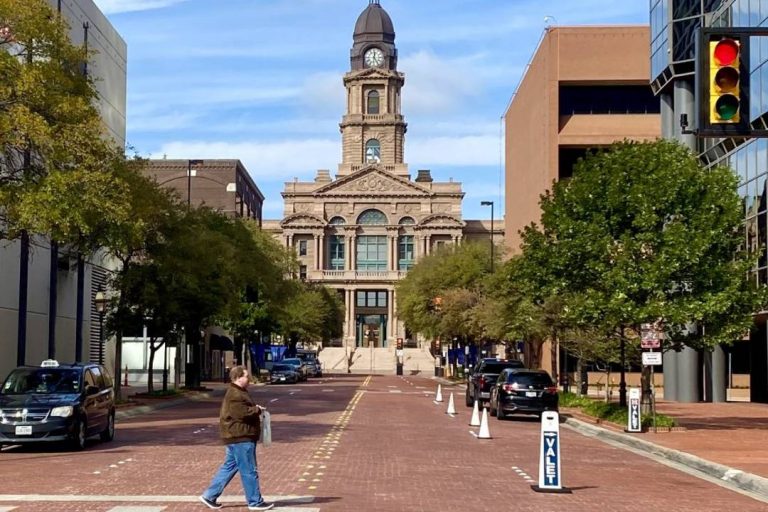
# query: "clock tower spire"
{"points": [[373, 129]]}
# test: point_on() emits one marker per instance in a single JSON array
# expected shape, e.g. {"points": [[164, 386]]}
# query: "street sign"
{"points": [[651, 358], [634, 423], [650, 336], [549, 461]]}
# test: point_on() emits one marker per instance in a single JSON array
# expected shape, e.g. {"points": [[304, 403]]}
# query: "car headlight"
{"points": [[62, 412]]}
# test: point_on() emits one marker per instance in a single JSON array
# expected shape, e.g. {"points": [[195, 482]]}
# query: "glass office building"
{"points": [[674, 25]]}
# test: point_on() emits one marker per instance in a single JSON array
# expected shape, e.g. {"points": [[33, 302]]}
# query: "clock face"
{"points": [[374, 58]]}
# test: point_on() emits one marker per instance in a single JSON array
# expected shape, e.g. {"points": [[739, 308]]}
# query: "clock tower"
{"points": [[373, 129]]}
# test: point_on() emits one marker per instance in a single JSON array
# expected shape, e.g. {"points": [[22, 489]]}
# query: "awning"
{"points": [[218, 342]]}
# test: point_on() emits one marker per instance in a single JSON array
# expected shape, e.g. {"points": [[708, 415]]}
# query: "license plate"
{"points": [[24, 431], [282, 378], [531, 393]]}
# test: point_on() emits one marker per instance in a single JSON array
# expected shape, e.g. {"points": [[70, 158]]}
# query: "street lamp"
{"points": [[190, 170], [101, 307], [490, 203]]}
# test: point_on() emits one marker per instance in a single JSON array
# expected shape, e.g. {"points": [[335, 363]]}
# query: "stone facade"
{"points": [[360, 232]]}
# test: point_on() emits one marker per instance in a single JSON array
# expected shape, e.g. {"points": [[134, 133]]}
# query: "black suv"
{"points": [[483, 376], [57, 402], [523, 391]]}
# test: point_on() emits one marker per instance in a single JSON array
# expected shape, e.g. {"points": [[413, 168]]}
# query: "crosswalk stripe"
{"points": [[136, 509], [68, 498], [7, 509]]}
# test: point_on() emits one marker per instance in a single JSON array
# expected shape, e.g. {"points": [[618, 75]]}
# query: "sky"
{"points": [[261, 81]]}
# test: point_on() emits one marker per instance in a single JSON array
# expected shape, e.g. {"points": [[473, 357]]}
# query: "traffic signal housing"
{"points": [[722, 77]]}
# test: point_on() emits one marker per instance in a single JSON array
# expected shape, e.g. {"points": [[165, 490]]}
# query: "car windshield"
{"points": [[282, 368], [499, 367], [42, 381], [530, 379], [294, 362]]}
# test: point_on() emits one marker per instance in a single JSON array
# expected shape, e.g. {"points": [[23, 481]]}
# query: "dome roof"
{"points": [[374, 20]]}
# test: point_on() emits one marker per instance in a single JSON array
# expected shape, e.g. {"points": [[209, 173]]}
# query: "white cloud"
{"points": [[324, 92], [436, 85], [266, 161], [118, 6], [471, 150]]}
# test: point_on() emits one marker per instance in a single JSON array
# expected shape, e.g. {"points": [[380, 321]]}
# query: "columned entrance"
{"points": [[371, 331]]}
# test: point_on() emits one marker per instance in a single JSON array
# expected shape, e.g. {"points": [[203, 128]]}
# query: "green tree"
{"points": [[311, 313], [644, 232], [56, 164], [440, 294]]}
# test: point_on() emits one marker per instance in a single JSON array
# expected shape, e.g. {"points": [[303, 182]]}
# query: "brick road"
{"points": [[351, 443]]}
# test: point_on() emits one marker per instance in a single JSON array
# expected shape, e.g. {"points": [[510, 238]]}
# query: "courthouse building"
{"points": [[361, 230]]}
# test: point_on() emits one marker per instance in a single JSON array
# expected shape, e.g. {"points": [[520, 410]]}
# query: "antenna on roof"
{"points": [[373, 2]]}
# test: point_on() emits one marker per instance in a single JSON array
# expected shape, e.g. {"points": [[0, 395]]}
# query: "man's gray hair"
{"points": [[237, 372]]}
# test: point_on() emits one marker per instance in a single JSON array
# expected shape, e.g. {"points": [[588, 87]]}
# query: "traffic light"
{"points": [[723, 83]]}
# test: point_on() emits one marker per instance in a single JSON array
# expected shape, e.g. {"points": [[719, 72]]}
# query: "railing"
{"points": [[357, 275]]}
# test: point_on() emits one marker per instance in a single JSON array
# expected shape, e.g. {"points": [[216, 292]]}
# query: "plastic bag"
{"points": [[266, 428]]}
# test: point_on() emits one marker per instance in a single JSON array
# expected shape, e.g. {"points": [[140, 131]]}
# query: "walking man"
{"points": [[240, 426]]}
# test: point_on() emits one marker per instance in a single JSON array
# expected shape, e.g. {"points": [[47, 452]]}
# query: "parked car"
{"points": [[283, 373], [483, 376], [523, 392], [57, 402], [314, 368], [299, 365]]}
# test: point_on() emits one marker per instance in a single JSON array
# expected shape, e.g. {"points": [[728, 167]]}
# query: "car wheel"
{"points": [[468, 399], [79, 435], [499, 411], [108, 433]]}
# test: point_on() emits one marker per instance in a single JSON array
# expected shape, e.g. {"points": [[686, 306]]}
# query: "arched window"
{"points": [[337, 221], [373, 102], [407, 221], [372, 218], [372, 152]]}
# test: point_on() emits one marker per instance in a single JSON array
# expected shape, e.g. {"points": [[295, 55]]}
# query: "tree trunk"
{"points": [[553, 352], [151, 367], [582, 376], [608, 384]]}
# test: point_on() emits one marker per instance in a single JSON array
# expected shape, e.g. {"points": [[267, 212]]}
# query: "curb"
{"points": [[749, 482], [144, 409]]}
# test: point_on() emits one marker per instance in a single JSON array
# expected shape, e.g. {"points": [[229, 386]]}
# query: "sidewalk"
{"points": [[724, 441]]}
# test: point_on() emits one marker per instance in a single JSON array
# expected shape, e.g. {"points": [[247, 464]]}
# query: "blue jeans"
{"points": [[240, 457]]}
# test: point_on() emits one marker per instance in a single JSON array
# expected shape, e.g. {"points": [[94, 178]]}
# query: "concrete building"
{"points": [[674, 25], [223, 185], [585, 87], [361, 230], [64, 323]]}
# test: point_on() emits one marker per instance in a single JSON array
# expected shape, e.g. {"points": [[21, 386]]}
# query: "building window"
{"points": [[372, 218], [405, 252], [371, 252], [337, 252], [302, 247], [372, 152], [373, 102], [407, 221], [303, 272], [371, 298], [337, 221]]}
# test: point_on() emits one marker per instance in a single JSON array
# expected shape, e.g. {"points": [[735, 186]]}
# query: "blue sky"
{"points": [[261, 80]]}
